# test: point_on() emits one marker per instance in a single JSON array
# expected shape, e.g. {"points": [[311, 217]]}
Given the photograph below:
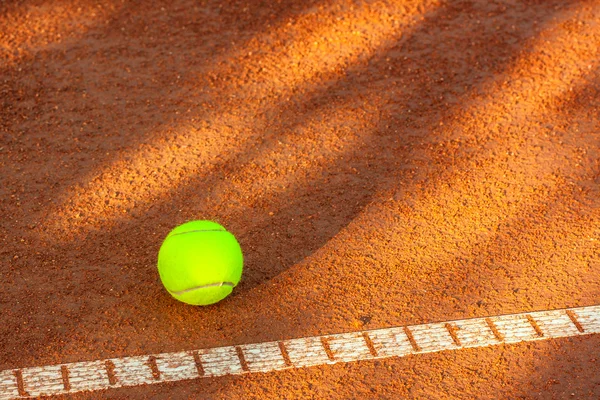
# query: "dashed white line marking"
{"points": [[132, 371], [306, 352], [38, 381], [391, 342], [264, 357], [8, 385], [347, 347], [474, 333], [177, 366], [297, 353], [432, 337], [589, 318], [554, 324], [220, 361], [90, 375], [515, 328]]}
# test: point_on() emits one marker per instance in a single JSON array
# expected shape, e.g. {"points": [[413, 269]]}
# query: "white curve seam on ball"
{"points": [[197, 230], [203, 287]]}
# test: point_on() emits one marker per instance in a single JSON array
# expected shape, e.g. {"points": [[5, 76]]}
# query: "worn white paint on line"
{"points": [[390, 342], [264, 357], [174, 367], [515, 328], [8, 385], [432, 337], [554, 324], [474, 333], [39, 381], [348, 347], [306, 352], [589, 318], [132, 371], [220, 361], [88, 375], [303, 352]]}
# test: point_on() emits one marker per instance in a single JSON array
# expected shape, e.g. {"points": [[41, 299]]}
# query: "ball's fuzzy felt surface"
{"points": [[200, 262]]}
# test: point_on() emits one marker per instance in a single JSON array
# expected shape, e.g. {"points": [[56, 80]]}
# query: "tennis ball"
{"points": [[200, 263]]}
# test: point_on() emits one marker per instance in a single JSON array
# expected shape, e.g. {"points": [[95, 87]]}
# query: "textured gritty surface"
{"points": [[381, 163]]}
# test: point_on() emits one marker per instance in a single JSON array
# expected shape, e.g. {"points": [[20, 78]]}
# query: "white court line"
{"points": [[297, 353]]}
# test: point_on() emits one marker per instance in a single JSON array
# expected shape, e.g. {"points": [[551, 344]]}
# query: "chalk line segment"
{"points": [[555, 324], [174, 367], [474, 333], [432, 338], [264, 357], [298, 353], [88, 375], [347, 347], [589, 318], [132, 371], [220, 361], [9, 388], [391, 342], [306, 352], [40, 381], [515, 328]]}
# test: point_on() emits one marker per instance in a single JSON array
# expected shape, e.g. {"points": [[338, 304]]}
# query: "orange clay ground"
{"points": [[382, 163]]}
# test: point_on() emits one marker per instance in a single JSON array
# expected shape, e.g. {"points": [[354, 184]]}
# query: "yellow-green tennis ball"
{"points": [[200, 262]]}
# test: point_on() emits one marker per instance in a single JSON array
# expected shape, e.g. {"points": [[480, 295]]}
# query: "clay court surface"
{"points": [[382, 164]]}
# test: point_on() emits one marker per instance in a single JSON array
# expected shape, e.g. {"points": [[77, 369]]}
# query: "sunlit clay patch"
{"points": [[143, 176], [40, 26]]}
